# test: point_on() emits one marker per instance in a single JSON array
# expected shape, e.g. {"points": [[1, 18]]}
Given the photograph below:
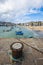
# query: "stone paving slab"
{"points": [[31, 56], [39, 42], [40, 61]]}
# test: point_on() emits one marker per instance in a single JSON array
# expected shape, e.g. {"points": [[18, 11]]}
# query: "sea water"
{"points": [[10, 32]]}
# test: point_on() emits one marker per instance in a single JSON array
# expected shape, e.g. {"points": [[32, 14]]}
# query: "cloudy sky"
{"points": [[21, 10]]}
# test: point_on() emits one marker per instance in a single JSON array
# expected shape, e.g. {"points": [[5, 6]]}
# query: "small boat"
{"points": [[19, 33], [6, 30]]}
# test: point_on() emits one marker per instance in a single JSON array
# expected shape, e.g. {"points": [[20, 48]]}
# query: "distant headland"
{"points": [[32, 23]]}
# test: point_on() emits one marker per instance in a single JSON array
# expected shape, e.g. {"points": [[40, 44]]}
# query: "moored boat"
{"points": [[19, 33]]}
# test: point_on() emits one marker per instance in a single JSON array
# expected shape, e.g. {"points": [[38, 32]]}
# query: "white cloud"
{"points": [[20, 4], [33, 11], [18, 8]]}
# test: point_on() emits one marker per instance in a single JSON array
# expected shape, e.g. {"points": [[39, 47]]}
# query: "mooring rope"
{"points": [[31, 46]]}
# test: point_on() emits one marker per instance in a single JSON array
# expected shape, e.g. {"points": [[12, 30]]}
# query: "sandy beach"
{"points": [[33, 51], [40, 28]]}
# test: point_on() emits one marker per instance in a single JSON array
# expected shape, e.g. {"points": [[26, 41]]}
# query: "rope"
{"points": [[31, 46]]}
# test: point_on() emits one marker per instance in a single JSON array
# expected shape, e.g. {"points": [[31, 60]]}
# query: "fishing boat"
{"points": [[19, 33]]}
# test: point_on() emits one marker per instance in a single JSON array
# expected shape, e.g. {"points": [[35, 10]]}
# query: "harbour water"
{"points": [[10, 32]]}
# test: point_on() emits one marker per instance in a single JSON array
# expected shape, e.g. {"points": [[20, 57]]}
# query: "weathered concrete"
{"points": [[31, 56]]}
